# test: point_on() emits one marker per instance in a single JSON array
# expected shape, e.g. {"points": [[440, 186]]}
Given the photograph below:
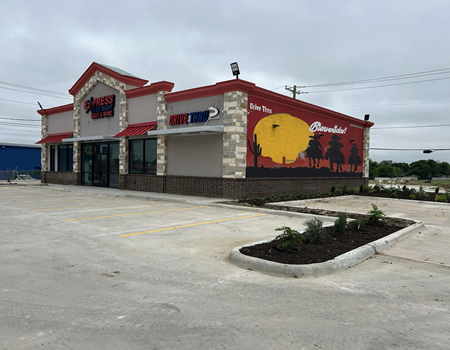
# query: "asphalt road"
{"points": [[87, 268]]}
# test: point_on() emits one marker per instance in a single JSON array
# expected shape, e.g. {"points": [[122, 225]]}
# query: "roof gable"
{"points": [[113, 72]]}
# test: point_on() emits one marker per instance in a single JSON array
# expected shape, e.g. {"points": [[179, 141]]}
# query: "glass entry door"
{"points": [[100, 164]]}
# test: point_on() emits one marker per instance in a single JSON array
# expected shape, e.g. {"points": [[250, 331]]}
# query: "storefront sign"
{"points": [[100, 107], [317, 126], [194, 117]]}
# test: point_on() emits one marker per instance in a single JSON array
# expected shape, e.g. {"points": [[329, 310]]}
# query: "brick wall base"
{"points": [[215, 187], [140, 182], [234, 188], [61, 178]]}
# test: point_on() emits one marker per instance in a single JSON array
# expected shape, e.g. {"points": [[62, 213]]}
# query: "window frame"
{"points": [[144, 156]]}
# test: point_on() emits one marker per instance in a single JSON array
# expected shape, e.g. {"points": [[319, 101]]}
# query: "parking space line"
{"points": [[129, 214], [190, 225], [84, 206]]}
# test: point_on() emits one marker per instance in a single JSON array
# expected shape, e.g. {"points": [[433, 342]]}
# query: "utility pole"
{"points": [[294, 91]]}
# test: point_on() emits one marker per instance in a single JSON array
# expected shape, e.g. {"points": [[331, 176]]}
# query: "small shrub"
{"points": [[357, 225], [289, 238], [314, 232], [344, 190], [422, 194], [375, 215], [441, 198], [436, 190], [361, 188], [256, 201], [376, 188], [333, 189], [366, 188], [394, 194], [412, 196], [371, 191], [356, 190], [340, 224]]}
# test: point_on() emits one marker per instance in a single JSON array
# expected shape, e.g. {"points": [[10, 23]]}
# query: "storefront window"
{"points": [[65, 158], [86, 164], [114, 164], [52, 157], [150, 156], [143, 156], [136, 156]]}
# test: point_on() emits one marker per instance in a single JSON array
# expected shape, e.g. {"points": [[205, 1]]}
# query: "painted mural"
{"points": [[287, 142]]}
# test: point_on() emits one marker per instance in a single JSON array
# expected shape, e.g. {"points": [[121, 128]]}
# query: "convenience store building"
{"points": [[231, 139]]}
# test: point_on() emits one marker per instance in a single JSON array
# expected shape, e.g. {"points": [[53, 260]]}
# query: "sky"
{"points": [[49, 44]]}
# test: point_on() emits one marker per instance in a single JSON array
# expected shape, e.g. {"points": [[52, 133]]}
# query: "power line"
{"points": [[408, 149], [27, 120], [411, 127], [26, 103], [390, 104], [36, 93], [20, 125], [379, 86], [392, 77], [33, 88]]}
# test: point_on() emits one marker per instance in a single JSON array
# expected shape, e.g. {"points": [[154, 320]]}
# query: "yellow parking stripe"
{"points": [[129, 214], [84, 206], [190, 225]]}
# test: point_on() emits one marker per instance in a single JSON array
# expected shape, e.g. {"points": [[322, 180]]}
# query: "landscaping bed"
{"points": [[333, 246]]}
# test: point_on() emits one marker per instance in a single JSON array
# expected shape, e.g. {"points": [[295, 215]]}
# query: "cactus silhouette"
{"points": [[257, 149]]}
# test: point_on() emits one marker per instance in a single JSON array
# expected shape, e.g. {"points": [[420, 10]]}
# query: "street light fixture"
{"points": [[235, 69]]}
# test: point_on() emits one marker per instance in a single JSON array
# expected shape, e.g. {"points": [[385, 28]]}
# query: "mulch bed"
{"points": [[334, 246]]}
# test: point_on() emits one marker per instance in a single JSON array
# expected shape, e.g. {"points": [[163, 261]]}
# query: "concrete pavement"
{"points": [[89, 268]]}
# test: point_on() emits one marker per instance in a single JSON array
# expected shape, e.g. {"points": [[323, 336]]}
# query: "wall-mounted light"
{"points": [[275, 125], [366, 117], [235, 69]]}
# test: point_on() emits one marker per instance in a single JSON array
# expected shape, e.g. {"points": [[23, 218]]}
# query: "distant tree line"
{"points": [[421, 168]]}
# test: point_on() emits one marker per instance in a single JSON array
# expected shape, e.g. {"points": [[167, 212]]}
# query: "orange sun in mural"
{"points": [[282, 136]]}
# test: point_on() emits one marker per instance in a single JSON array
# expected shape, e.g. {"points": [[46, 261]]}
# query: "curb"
{"points": [[276, 211], [341, 262]]}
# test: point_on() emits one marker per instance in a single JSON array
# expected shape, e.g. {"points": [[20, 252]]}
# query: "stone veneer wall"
{"points": [[366, 144], [44, 146], [235, 134], [161, 146], [99, 77]]}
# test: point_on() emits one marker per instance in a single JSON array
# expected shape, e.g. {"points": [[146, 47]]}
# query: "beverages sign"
{"points": [[100, 107]]}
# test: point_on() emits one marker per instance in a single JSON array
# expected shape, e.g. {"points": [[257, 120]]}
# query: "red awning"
{"points": [[137, 129], [56, 137]]}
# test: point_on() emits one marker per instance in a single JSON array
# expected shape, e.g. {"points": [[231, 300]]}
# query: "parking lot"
{"points": [[87, 268]]}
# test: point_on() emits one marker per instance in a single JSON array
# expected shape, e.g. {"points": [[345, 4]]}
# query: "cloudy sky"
{"points": [[49, 44]]}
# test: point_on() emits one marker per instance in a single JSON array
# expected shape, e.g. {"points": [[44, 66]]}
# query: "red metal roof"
{"points": [[137, 129], [56, 137]]}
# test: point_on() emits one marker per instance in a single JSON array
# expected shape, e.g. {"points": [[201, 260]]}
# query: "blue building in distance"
{"points": [[25, 159]]}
